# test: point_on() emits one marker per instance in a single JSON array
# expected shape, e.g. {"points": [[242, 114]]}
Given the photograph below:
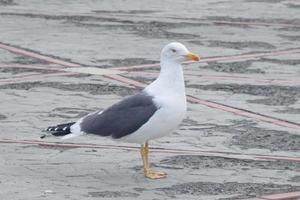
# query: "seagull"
{"points": [[152, 113]]}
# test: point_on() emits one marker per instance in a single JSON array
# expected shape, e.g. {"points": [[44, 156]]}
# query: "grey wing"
{"points": [[120, 119]]}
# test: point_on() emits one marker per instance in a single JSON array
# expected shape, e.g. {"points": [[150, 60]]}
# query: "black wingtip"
{"points": [[59, 130]]}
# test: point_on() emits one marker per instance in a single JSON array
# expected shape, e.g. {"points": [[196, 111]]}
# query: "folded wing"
{"points": [[122, 118]]}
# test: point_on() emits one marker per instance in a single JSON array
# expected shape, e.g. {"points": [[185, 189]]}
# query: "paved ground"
{"points": [[241, 138]]}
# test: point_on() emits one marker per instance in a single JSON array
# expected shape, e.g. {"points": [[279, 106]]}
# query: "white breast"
{"points": [[167, 118]]}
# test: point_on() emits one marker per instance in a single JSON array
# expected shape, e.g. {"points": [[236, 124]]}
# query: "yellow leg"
{"points": [[147, 171]]}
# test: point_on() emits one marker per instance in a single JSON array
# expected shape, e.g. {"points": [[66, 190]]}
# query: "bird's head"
{"points": [[177, 52]]}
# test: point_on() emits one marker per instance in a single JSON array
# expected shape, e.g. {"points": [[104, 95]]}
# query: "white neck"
{"points": [[170, 79]]}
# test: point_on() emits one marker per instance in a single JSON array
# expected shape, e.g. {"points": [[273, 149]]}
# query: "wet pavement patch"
{"points": [[156, 29], [265, 1], [47, 146], [234, 67], [7, 2], [240, 45], [111, 194], [289, 28], [2, 117], [275, 101], [50, 17], [272, 140], [202, 162], [123, 62], [295, 111], [83, 87], [16, 70], [197, 42], [290, 37], [293, 5], [282, 61], [143, 79], [240, 190], [249, 136], [276, 95], [246, 135], [145, 29], [295, 179], [25, 60], [125, 11], [290, 21]]}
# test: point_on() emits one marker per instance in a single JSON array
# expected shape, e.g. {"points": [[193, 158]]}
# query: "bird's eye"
{"points": [[173, 50]]}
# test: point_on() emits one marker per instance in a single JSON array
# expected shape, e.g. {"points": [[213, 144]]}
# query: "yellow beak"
{"points": [[192, 56]]}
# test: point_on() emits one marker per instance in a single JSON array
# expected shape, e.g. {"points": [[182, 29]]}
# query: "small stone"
{"points": [[48, 192]]}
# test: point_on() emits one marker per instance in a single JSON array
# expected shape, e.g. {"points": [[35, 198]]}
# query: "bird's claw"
{"points": [[155, 175]]}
